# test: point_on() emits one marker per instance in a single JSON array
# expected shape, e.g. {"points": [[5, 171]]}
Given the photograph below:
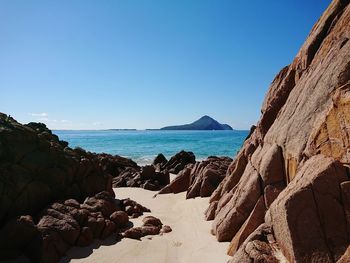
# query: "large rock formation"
{"points": [[36, 169], [199, 179], [156, 176], [53, 197], [287, 192]]}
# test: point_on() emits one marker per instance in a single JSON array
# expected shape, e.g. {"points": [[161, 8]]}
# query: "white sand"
{"points": [[190, 240]]}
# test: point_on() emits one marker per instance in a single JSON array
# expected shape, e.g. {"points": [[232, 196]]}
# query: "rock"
{"points": [[207, 175], [271, 192], [255, 219], [109, 228], [115, 164], [72, 203], [62, 224], [150, 230], [38, 170], [151, 221], [131, 207], [162, 178], [345, 257], [149, 186], [210, 211], [96, 223], [146, 177], [100, 202], [179, 161], [133, 233], [45, 178], [160, 159], [165, 229], [16, 236], [345, 191], [120, 218], [151, 226], [271, 167], [179, 184], [256, 248], [234, 213], [299, 143], [147, 172], [86, 237], [53, 248], [201, 179], [311, 204]]}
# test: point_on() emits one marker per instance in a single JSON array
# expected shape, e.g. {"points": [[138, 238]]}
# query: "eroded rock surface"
{"points": [[290, 176], [37, 168], [199, 179], [156, 176], [53, 197]]}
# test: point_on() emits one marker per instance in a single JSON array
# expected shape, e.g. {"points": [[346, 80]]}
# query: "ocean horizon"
{"points": [[142, 146]]}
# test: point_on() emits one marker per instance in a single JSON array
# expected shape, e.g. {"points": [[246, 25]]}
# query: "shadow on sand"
{"points": [[83, 252]]}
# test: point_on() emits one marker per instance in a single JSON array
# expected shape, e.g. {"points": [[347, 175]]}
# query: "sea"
{"points": [[142, 146]]}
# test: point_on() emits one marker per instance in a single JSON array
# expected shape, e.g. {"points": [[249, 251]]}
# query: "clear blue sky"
{"points": [[146, 63]]}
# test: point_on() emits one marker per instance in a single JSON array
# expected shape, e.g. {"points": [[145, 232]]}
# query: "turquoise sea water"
{"points": [[143, 146]]}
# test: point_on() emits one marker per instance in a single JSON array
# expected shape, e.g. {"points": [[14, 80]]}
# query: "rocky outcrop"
{"points": [[115, 164], [154, 177], [179, 162], [200, 179], [181, 182], [312, 204], [146, 177], [47, 236], [290, 176], [207, 175], [151, 226], [53, 197], [36, 169]]}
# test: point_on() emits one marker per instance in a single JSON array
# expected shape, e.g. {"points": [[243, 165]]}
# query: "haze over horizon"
{"points": [[145, 64]]}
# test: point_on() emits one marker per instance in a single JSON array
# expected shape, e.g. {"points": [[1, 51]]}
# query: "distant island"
{"points": [[204, 123], [121, 130]]}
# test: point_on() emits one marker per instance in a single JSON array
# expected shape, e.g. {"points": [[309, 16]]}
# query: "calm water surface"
{"points": [[143, 146]]}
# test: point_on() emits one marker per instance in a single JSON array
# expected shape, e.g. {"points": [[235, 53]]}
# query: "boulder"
{"points": [[133, 233], [151, 221], [200, 179], [257, 248], [150, 230], [207, 175], [179, 161], [312, 204], [16, 236], [179, 184], [165, 229], [86, 237], [120, 218], [160, 159]]}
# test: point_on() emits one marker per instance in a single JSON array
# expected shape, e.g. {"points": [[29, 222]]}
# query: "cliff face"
{"points": [[287, 192]]}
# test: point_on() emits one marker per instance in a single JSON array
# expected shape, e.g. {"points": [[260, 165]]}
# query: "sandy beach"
{"points": [[190, 240]]}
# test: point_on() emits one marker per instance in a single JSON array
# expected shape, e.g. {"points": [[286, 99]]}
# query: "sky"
{"points": [[140, 64]]}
